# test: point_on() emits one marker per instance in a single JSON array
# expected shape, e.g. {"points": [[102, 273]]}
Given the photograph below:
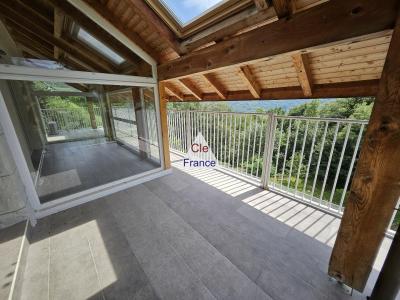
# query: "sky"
{"points": [[187, 10]]}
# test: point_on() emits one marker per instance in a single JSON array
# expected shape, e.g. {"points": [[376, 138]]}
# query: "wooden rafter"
{"points": [[261, 4], [133, 36], [336, 20], [58, 29], [173, 91], [365, 88], [19, 23], [228, 27], [302, 66], [283, 8], [217, 87], [94, 29], [157, 24], [375, 187], [93, 56], [248, 78], [187, 83]]}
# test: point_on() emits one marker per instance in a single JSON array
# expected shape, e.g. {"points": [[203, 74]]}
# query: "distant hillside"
{"points": [[253, 105]]}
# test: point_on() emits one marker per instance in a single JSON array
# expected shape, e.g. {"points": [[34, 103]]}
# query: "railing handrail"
{"points": [[323, 119]]}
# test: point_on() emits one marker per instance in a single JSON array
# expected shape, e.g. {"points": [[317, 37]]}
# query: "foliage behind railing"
{"points": [[309, 159]]}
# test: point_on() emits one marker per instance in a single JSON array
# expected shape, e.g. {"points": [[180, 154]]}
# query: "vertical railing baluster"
{"points": [[351, 166], [329, 164], [248, 145], [293, 154], [301, 157], [286, 150], [319, 160], [339, 165], [238, 147], [244, 140], [310, 157], [278, 153]]}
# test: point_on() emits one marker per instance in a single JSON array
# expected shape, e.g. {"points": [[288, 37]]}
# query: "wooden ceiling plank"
{"points": [[248, 78], [153, 20], [132, 35], [187, 83], [336, 20], [218, 88], [173, 91], [302, 66]]}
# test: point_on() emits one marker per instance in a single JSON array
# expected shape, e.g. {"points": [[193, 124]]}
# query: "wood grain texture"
{"points": [[188, 84], [302, 66], [336, 20], [248, 78], [364, 88], [164, 125], [218, 88], [133, 36], [375, 188]]}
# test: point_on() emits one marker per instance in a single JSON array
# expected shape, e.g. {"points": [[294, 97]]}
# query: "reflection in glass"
{"points": [[77, 137]]}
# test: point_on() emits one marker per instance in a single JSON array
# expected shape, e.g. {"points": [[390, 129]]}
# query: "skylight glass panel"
{"points": [[88, 39], [185, 11]]}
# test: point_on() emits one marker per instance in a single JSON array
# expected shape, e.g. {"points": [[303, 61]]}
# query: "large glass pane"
{"points": [[77, 137]]}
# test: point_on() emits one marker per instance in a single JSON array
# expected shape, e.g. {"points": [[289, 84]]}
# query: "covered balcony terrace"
{"points": [[189, 235]]}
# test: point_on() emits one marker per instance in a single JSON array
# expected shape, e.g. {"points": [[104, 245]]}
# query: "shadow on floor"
{"points": [[184, 237]]}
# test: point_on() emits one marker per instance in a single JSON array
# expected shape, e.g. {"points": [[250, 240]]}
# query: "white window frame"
{"points": [[11, 72]]}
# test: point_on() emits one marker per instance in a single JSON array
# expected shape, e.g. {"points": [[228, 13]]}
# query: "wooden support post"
{"points": [[375, 188], [164, 125], [92, 115]]}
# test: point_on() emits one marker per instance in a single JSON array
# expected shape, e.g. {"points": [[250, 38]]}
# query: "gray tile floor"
{"points": [[10, 242], [76, 166], [202, 235]]}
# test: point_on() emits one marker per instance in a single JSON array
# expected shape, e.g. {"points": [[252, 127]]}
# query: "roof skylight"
{"points": [[91, 41], [186, 11]]}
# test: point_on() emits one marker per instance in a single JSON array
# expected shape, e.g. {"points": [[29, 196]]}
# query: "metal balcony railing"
{"points": [[68, 119], [311, 160]]}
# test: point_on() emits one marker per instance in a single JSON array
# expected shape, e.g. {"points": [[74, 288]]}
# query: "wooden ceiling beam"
{"points": [[302, 66], [366, 88], [283, 8], [58, 30], [187, 83], [335, 20], [228, 27], [94, 29], [155, 22], [29, 12], [18, 22], [133, 36], [261, 4], [217, 87], [375, 188], [94, 56], [248, 79], [173, 91]]}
